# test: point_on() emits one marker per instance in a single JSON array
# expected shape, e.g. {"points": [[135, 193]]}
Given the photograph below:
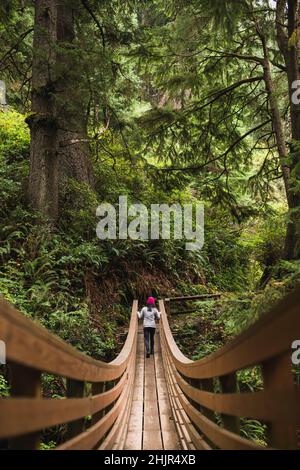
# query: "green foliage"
{"points": [[42, 272], [4, 387], [198, 334], [14, 152], [14, 134], [269, 240], [254, 430], [44, 276], [237, 314], [48, 445], [250, 380], [16, 20], [76, 328], [228, 261]]}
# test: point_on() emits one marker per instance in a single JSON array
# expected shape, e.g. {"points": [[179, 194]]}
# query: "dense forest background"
{"points": [[169, 101]]}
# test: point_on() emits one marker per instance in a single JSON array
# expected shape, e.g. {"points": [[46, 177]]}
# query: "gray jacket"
{"points": [[149, 316]]}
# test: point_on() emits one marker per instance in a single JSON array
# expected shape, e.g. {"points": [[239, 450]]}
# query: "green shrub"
{"points": [[14, 163], [4, 387]]}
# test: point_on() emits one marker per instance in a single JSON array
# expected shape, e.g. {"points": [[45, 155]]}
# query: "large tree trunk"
{"points": [[292, 247], [291, 53], [280, 143], [277, 125], [43, 175], [59, 144], [72, 142]]}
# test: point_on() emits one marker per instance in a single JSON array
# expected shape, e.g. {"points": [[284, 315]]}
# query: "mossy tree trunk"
{"points": [[289, 43], [43, 175], [59, 144], [71, 102]]}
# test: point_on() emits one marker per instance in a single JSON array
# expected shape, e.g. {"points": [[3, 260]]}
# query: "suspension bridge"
{"points": [[165, 402]]}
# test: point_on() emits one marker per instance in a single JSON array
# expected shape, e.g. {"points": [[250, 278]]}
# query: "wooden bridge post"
{"points": [[97, 388], [108, 386], [208, 386], [25, 382], [167, 306], [229, 385], [277, 374], [75, 389]]}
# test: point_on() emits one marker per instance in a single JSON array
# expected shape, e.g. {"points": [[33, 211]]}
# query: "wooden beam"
{"points": [[25, 382], [277, 375], [75, 389], [193, 297]]}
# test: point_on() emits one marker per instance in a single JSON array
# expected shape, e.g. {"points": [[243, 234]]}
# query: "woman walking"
{"points": [[149, 314]]}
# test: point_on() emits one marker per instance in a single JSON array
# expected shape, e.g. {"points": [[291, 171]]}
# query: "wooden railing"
{"points": [[206, 402], [98, 395], [187, 299], [208, 407]]}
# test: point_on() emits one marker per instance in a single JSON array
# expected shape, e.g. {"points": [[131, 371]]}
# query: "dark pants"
{"points": [[149, 339]]}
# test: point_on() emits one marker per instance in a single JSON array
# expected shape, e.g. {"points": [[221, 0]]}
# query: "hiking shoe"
{"points": [[147, 355]]}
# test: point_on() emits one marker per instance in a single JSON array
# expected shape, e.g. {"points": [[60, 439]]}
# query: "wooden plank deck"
{"points": [[151, 425]]}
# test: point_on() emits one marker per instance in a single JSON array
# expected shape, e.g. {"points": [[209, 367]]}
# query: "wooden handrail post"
{"points": [[25, 382], [229, 385], [208, 386], [98, 387], [108, 386], [75, 389], [277, 374]]}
